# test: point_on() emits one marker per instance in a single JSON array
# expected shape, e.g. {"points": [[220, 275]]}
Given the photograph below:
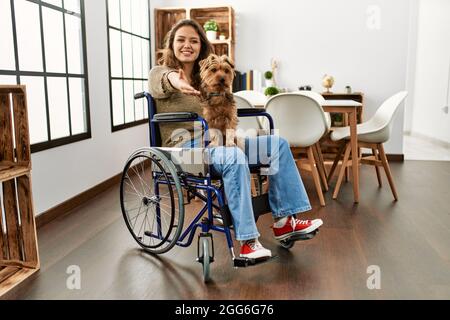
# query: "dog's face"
{"points": [[217, 73]]}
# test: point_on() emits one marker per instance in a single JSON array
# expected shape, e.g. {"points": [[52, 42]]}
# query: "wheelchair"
{"points": [[157, 183]]}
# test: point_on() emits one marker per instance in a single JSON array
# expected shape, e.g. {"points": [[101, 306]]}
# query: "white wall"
{"points": [[62, 173], [432, 71], [313, 38]]}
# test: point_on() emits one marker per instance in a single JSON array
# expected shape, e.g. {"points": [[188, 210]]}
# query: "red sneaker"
{"points": [[253, 249], [294, 226]]}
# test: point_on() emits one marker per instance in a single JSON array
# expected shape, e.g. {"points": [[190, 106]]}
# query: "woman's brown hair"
{"points": [[168, 58]]}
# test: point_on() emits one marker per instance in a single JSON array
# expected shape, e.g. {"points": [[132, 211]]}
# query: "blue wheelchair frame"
{"points": [[192, 183]]}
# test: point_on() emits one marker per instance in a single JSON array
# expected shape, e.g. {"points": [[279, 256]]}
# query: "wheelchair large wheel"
{"points": [[152, 201]]}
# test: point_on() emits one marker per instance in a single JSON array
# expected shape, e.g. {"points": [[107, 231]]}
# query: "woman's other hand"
{"points": [[180, 82]]}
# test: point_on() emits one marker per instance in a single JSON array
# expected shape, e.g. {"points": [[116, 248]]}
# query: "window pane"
{"points": [[138, 104], [57, 3], [28, 35], [144, 18], [37, 116], [54, 40], [125, 6], [129, 101], [72, 5], [114, 13], [77, 106], [117, 102], [146, 58], [5, 80], [127, 56], [137, 57], [135, 11], [58, 108], [7, 60], [74, 40], [115, 49]]}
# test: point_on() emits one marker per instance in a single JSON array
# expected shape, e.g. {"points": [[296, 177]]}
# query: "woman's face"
{"points": [[187, 45]]}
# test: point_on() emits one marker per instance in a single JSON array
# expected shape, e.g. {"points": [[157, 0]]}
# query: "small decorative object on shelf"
{"points": [[222, 37], [337, 119], [268, 76], [327, 82], [305, 88], [274, 64], [211, 27], [271, 91], [348, 89]]}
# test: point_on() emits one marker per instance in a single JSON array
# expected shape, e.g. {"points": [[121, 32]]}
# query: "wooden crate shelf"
{"points": [[12, 171], [165, 18], [18, 242]]}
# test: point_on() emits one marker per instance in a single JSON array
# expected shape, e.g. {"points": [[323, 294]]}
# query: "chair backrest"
{"points": [[299, 117], [382, 120], [256, 98], [250, 125]]}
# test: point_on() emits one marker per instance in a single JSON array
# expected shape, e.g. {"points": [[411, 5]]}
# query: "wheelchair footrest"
{"points": [[302, 237], [246, 262]]}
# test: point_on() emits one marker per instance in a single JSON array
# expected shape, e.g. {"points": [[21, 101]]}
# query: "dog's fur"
{"points": [[219, 108]]}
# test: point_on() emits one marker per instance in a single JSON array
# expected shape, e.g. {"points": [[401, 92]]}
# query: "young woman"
{"points": [[175, 87]]}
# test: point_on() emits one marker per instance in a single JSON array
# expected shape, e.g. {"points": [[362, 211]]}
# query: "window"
{"points": [[129, 60], [43, 47]]}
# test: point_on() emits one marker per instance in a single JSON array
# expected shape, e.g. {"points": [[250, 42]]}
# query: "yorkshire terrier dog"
{"points": [[219, 108]]}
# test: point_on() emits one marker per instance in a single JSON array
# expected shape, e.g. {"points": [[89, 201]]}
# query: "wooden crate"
{"points": [[18, 242], [165, 18], [224, 16]]}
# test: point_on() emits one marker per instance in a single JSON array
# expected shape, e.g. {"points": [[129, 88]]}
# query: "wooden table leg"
{"points": [[354, 144]]}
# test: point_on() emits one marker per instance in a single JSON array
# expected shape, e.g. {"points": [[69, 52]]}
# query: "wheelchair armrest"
{"points": [[175, 117], [250, 111]]}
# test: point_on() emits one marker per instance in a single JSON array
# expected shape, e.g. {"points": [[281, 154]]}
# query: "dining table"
{"points": [[349, 108]]}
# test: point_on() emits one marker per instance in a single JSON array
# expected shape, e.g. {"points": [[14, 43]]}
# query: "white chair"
{"points": [[300, 119], [371, 134], [321, 100], [257, 99], [250, 125]]}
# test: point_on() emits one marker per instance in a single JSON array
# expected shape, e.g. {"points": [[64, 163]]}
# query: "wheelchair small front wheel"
{"points": [[287, 244], [205, 259], [151, 200]]}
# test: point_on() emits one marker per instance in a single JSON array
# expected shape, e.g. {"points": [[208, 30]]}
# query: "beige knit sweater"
{"points": [[169, 99]]}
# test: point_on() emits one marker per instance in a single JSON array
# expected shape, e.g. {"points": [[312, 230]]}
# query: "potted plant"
{"points": [[211, 27], [337, 119], [268, 75], [271, 91]]}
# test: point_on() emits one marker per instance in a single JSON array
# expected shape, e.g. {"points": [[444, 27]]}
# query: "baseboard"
{"points": [[395, 157], [432, 140], [67, 206]]}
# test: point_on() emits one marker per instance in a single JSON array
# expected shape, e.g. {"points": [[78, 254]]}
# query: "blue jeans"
{"points": [[287, 195]]}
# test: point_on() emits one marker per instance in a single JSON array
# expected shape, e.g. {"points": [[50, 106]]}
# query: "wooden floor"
{"points": [[409, 241]]}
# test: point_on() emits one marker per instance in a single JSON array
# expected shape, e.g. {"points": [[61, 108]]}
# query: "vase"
{"points": [[269, 83], [211, 35]]}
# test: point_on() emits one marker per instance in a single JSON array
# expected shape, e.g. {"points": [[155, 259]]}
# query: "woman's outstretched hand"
{"points": [[180, 82]]}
